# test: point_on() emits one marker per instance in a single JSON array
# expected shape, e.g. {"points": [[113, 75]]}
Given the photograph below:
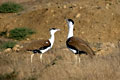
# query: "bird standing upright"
{"points": [[75, 44], [41, 46]]}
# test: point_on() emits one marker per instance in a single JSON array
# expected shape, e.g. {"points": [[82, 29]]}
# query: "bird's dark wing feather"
{"points": [[80, 45], [38, 44]]}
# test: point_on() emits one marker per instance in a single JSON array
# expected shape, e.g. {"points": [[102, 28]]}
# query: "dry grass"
{"points": [[58, 64], [99, 22]]}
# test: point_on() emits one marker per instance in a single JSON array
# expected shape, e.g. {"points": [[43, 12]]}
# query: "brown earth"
{"points": [[97, 22]]}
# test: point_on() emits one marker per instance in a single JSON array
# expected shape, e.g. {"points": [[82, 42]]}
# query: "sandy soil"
{"points": [[95, 22]]}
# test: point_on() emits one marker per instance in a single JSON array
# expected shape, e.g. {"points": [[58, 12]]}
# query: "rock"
{"points": [[61, 40], [64, 6], [74, 5], [107, 6], [8, 50], [16, 48], [82, 32], [15, 21], [78, 15], [27, 39], [46, 21], [49, 4], [112, 14], [81, 7], [52, 11]]}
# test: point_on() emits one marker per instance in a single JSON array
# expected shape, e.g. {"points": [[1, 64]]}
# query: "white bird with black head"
{"points": [[75, 44], [41, 46]]}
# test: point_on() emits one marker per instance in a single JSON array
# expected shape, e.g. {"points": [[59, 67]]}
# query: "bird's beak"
{"points": [[66, 20], [58, 29]]}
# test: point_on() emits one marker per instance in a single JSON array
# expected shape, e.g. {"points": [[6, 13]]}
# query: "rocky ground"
{"points": [[97, 22]]}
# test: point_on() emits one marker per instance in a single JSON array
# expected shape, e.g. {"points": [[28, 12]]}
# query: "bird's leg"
{"points": [[79, 59], [41, 57], [32, 57], [76, 58]]}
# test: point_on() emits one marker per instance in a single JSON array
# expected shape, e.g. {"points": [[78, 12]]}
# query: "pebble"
{"points": [[16, 47], [82, 32], [64, 6], [8, 50], [74, 5], [78, 15], [52, 11], [81, 7], [107, 6], [27, 39], [61, 40]]}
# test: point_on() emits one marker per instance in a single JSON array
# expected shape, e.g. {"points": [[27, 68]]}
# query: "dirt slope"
{"points": [[95, 21]]}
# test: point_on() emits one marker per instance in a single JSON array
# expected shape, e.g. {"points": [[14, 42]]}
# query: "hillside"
{"points": [[97, 22]]}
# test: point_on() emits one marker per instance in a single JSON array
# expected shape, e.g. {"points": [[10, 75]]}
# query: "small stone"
{"points": [[78, 15], [8, 50], [64, 6], [49, 4], [74, 5], [15, 21], [107, 6], [81, 7], [112, 14], [61, 40], [27, 39], [52, 11], [16, 48], [82, 32], [46, 21]]}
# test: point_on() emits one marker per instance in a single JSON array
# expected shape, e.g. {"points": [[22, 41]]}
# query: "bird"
{"points": [[75, 44], [40, 46]]}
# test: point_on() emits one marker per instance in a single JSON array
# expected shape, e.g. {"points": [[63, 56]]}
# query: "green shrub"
{"points": [[5, 45], [10, 7], [3, 33], [20, 33]]}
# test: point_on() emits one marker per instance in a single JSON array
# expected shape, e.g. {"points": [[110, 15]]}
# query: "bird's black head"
{"points": [[53, 30], [70, 20]]}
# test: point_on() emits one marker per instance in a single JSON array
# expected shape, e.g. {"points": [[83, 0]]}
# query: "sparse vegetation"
{"points": [[9, 76], [5, 45], [3, 33], [10, 7], [20, 33]]}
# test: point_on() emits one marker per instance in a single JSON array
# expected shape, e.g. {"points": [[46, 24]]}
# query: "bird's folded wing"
{"points": [[80, 45], [36, 44]]}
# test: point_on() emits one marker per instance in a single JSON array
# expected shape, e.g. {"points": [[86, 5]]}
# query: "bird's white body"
{"points": [[70, 32]]}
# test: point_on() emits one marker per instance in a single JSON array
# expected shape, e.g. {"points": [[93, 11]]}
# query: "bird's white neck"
{"points": [[70, 32], [52, 39]]}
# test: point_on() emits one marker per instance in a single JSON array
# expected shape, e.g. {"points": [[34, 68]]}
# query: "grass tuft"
{"points": [[20, 33], [5, 45], [10, 7], [9, 76]]}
